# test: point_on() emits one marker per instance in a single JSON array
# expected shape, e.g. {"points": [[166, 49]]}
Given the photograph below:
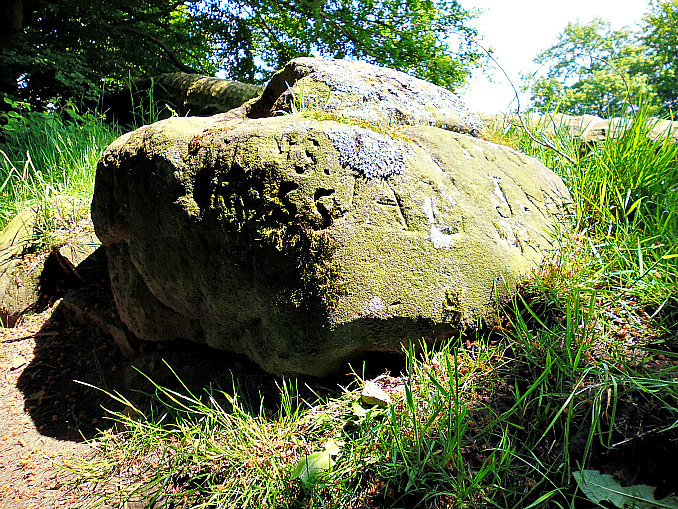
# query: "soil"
{"points": [[50, 419], [59, 366], [44, 413]]}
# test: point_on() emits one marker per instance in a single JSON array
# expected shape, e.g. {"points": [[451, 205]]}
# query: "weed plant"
{"points": [[48, 158], [625, 192]]}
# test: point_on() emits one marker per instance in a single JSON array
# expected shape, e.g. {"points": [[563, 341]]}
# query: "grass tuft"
{"points": [[48, 161]]}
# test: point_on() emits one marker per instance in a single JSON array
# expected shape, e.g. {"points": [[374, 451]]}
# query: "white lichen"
{"points": [[498, 191], [368, 152], [439, 238], [376, 305], [428, 210]]}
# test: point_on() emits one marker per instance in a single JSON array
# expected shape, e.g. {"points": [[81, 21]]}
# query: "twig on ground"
{"points": [[30, 336]]}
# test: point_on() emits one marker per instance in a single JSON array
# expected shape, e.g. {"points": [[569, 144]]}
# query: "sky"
{"points": [[519, 29]]}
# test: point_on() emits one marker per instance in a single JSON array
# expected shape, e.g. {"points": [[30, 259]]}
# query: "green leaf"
{"points": [[311, 467], [361, 412], [605, 488]]}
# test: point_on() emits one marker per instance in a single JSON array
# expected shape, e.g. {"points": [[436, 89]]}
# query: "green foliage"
{"points": [[407, 35], [626, 195], [660, 35], [47, 156], [594, 69], [75, 47], [313, 466]]}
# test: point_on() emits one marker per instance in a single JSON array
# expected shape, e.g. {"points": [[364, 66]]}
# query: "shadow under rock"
{"points": [[85, 341], [65, 352]]}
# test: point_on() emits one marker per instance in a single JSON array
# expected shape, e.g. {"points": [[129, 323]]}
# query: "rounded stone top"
{"points": [[361, 91]]}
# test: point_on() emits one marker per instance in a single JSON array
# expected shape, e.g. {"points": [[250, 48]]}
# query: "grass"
{"points": [[580, 374], [501, 424], [625, 193], [47, 160]]}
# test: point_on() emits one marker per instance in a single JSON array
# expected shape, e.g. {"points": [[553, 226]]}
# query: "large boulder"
{"points": [[362, 92], [304, 240]]}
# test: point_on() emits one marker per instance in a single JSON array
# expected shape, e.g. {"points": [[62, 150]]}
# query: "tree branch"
{"points": [[544, 142], [171, 55]]}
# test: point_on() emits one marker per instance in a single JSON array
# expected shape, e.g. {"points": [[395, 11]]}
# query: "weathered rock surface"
{"points": [[304, 242], [589, 129], [16, 294], [28, 273], [186, 94], [361, 91]]}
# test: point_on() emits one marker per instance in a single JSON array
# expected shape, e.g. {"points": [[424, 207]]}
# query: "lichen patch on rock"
{"points": [[371, 154]]}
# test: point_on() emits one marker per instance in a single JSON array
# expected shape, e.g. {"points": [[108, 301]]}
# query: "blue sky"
{"points": [[518, 29]]}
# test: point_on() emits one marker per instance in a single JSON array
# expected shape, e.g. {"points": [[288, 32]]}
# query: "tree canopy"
{"points": [[661, 39], [69, 48], [594, 69]]}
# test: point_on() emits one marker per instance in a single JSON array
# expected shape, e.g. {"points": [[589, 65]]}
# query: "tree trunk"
{"points": [[186, 94]]}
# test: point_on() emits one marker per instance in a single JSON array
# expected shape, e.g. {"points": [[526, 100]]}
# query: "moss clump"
{"points": [[452, 308], [288, 245], [303, 258], [391, 132]]}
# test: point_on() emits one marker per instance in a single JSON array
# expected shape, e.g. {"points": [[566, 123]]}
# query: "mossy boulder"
{"points": [[303, 241]]}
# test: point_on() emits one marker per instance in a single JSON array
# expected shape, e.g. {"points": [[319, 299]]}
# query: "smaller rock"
{"points": [[374, 395], [31, 276], [14, 295], [363, 92]]}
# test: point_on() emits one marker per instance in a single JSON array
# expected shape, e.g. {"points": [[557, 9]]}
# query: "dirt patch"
{"points": [[49, 420], [39, 425]]}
